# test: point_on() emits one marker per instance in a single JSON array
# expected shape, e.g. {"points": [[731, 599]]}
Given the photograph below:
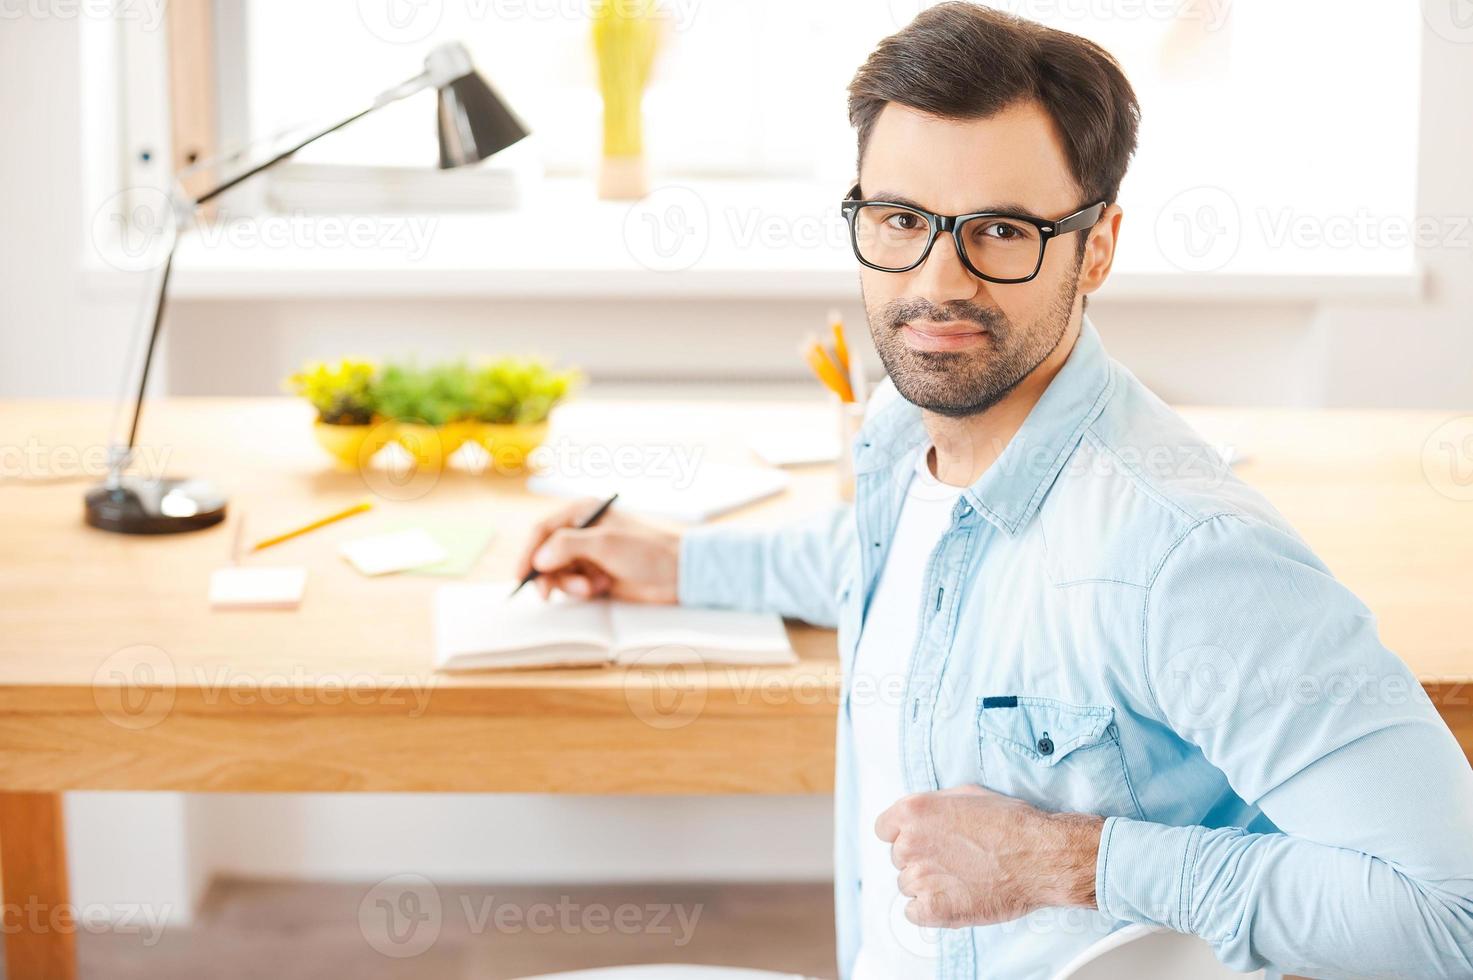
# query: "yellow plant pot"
{"points": [[510, 443], [431, 445], [353, 446]]}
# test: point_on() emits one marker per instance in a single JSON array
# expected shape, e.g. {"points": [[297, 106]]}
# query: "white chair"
{"points": [[1132, 953], [669, 972], [1141, 953]]}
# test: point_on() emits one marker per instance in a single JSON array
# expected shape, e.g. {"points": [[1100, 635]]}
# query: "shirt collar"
{"points": [[1010, 491]]}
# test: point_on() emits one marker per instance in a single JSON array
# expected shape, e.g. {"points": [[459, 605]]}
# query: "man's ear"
{"points": [[1099, 250]]}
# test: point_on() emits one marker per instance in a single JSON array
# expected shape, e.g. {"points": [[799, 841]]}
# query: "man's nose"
{"points": [[942, 278]]}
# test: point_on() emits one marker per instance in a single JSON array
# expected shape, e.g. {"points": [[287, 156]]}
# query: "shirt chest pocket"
{"points": [[1055, 755]]}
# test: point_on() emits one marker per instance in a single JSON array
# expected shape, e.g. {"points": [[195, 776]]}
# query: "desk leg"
{"points": [[39, 923]]}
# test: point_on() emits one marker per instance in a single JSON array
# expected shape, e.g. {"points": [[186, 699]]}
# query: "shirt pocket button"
{"points": [[1054, 754]]}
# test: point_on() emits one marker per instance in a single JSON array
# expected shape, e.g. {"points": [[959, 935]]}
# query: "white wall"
{"points": [[1422, 357], [1243, 353], [56, 340], [514, 838]]}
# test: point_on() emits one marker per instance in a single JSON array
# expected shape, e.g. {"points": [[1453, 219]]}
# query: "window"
{"points": [[1293, 125]]}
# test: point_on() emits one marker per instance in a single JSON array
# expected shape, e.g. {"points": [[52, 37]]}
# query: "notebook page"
{"points": [[654, 634], [477, 626]]}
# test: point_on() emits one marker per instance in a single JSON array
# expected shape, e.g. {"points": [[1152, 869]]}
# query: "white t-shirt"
{"points": [[891, 947]]}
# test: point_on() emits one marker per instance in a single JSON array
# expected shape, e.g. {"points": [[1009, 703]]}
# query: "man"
{"points": [[1090, 677]]}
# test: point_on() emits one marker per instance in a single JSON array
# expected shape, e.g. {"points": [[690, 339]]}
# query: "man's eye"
{"points": [[905, 221], [1001, 231]]}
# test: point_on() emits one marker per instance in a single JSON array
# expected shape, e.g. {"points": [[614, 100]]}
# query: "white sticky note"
{"points": [[710, 490], [397, 551], [799, 447], [257, 588]]}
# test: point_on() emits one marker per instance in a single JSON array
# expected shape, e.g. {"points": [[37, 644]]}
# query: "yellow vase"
{"points": [[353, 446], [431, 445], [625, 38], [510, 443]]}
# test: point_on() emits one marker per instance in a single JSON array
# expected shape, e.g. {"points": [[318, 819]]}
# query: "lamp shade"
{"points": [[474, 122]]}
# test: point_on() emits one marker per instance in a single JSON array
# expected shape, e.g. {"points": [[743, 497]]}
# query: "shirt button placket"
{"points": [[957, 955]]}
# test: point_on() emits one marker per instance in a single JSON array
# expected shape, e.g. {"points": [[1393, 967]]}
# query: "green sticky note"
{"points": [[464, 541]]}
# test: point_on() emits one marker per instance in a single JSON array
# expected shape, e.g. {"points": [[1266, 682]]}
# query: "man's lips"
{"points": [[928, 335]]}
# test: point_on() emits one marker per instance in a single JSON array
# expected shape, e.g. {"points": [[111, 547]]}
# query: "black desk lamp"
{"points": [[473, 124]]}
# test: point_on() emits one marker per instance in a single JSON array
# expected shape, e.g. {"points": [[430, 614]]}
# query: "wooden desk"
{"points": [[116, 675]]}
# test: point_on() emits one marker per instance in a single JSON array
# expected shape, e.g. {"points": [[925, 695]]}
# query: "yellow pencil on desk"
{"points": [[357, 508]]}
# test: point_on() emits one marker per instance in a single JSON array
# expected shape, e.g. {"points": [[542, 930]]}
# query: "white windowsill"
{"points": [[760, 241]]}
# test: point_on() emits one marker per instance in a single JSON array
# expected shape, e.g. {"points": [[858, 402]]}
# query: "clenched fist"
{"points": [[971, 857]]}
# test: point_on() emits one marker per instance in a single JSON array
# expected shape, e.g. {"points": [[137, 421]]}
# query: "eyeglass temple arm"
{"points": [[1080, 219]]}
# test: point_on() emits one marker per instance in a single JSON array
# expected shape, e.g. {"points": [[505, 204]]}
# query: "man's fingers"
{"points": [[599, 581], [579, 579], [902, 851], [902, 812], [565, 546], [574, 584], [922, 911], [887, 824], [554, 582], [940, 901], [568, 516]]}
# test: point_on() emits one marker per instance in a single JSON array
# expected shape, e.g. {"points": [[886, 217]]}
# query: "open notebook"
{"points": [[477, 627]]}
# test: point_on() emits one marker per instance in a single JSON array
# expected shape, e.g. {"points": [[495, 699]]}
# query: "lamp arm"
{"points": [[119, 457], [404, 90], [184, 206]]}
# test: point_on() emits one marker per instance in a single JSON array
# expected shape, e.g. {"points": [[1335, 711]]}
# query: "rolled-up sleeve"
{"points": [[1275, 671], [793, 571]]}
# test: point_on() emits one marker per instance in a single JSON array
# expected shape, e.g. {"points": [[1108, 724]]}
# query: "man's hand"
{"points": [[971, 857], [619, 556]]}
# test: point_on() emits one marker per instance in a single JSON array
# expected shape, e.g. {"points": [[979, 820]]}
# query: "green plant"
{"points": [[521, 390], [504, 390], [342, 393], [436, 395]]}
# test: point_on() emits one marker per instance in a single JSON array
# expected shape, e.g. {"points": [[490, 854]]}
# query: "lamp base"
{"points": [[166, 506]]}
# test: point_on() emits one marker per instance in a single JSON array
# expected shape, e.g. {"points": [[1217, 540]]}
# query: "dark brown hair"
{"points": [[964, 61]]}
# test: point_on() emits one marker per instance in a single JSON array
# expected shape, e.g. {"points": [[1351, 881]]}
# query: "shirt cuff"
{"points": [[720, 567], [1144, 873]]}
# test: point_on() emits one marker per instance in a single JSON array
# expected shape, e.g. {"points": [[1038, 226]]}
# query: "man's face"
{"points": [[953, 343]]}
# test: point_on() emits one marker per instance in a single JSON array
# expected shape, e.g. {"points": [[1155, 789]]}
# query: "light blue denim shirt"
{"points": [[1115, 624]]}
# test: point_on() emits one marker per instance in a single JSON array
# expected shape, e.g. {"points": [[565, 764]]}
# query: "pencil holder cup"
{"points": [[851, 419]]}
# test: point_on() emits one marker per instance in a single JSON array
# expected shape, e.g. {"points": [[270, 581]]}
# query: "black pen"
{"points": [[587, 523]]}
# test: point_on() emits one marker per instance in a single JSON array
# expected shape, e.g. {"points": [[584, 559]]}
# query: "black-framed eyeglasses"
{"points": [[999, 247]]}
